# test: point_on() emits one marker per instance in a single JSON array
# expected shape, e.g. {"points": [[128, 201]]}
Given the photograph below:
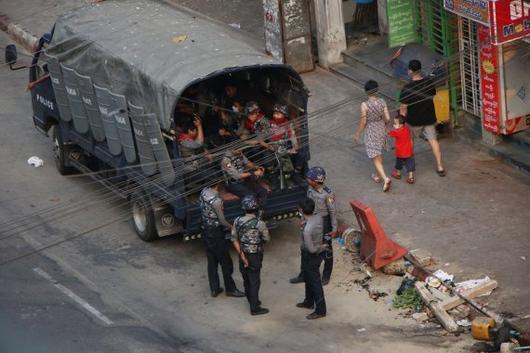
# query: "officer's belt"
{"points": [[235, 181]]}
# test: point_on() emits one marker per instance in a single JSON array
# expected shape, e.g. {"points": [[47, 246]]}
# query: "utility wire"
{"points": [[192, 191], [112, 194], [185, 98]]}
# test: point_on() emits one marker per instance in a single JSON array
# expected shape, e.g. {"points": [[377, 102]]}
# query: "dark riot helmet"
{"points": [[252, 107], [281, 108], [249, 203], [316, 174]]}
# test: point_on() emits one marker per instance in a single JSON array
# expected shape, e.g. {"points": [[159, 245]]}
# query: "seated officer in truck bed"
{"points": [[191, 144], [242, 176]]}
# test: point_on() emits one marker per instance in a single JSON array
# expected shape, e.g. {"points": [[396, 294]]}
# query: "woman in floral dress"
{"points": [[374, 117]]}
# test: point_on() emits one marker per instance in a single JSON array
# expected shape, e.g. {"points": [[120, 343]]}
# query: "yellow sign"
{"points": [[488, 67]]}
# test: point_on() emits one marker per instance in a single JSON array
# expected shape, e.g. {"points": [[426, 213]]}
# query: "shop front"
{"points": [[495, 61], [387, 33]]}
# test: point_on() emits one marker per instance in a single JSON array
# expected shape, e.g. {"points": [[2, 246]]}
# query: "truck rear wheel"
{"points": [[60, 153], [143, 217]]}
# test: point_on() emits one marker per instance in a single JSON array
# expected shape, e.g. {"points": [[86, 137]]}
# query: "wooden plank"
{"points": [[455, 301], [439, 295], [445, 319]]}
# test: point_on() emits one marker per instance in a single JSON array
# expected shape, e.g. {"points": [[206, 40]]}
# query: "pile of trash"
{"points": [[430, 294]]}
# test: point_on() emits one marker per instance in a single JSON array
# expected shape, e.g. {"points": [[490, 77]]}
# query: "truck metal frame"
{"points": [[110, 94]]}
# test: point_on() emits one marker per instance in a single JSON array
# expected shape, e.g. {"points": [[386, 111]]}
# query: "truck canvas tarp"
{"points": [[117, 72]]}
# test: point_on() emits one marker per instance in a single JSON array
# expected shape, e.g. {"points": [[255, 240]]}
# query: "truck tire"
{"points": [[143, 217], [60, 153]]}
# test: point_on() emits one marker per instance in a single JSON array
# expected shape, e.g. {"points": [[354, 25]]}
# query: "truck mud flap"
{"points": [[58, 88], [74, 98], [145, 152], [165, 165], [86, 90], [121, 118], [104, 101], [165, 222]]}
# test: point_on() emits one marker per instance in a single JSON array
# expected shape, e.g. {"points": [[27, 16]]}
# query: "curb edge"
{"points": [[18, 33]]}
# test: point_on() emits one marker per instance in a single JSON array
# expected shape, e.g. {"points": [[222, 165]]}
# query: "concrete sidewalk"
{"points": [[475, 220], [25, 20]]}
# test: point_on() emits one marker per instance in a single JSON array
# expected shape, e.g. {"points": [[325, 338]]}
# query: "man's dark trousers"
{"points": [[328, 254], [314, 294], [218, 253], [251, 278]]}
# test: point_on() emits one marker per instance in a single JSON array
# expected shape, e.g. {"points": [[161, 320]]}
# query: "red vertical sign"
{"points": [[490, 81]]}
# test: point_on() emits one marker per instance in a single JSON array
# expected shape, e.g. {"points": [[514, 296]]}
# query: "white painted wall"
{"points": [[331, 36], [382, 16]]}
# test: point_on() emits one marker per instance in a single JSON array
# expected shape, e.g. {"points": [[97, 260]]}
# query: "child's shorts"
{"points": [[408, 163]]}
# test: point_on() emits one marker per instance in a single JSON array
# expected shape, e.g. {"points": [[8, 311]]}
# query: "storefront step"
{"points": [[513, 150], [374, 58], [369, 59], [521, 138], [359, 76]]}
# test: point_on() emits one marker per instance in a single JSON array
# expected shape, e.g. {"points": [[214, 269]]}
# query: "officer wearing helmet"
{"points": [[282, 138], [325, 206], [255, 122], [242, 175], [216, 239], [249, 234]]}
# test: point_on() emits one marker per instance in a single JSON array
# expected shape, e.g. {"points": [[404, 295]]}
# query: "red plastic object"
{"points": [[376, 249]]}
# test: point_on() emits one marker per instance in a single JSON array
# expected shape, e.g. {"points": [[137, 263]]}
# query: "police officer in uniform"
{"points": [[249, 234], [311, 246], [282, 139], [216, 237], [324, 199], [242, 176], [191, 145]]}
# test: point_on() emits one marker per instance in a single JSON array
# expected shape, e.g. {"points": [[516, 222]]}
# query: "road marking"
{"points": [[74, 297]]}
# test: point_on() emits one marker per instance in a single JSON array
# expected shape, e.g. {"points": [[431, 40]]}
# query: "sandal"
{"points": [[376, 178], [396, 174], [411, 180], [387, 184], [441, 172]]}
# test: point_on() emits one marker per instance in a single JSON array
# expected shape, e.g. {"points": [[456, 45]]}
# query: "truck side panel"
{"points": [[45, 110]]}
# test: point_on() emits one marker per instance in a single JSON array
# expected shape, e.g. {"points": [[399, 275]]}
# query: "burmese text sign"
{"points": [[402, 22]]}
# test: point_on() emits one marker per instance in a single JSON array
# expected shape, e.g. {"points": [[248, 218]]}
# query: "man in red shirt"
{"points": [[404, 149]]}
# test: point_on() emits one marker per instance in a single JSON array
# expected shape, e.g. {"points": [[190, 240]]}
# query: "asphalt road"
{"points": [[107, 291]]}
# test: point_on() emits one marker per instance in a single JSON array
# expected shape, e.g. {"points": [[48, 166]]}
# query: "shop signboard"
{"points": [[402, 22], [476, 10], [509, 20], [490, 81]]}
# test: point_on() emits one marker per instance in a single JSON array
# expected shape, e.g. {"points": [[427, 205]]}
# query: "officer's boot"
{"points": [[297, 279]]}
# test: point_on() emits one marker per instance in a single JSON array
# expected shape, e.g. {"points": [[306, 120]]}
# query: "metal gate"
{"points": [[469, 66], [439, 32]]}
